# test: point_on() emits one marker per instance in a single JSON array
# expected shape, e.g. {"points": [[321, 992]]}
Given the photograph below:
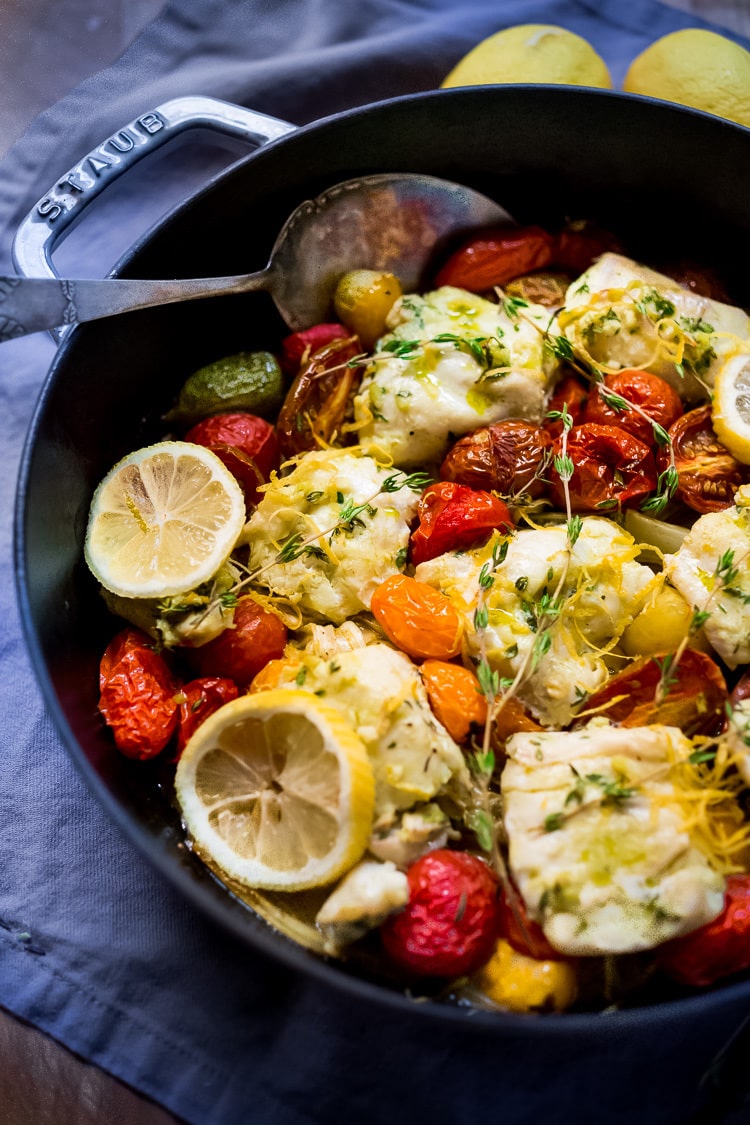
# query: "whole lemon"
{"points": [[531, 52], [695, 68]]}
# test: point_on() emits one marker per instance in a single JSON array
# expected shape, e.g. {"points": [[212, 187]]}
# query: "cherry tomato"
{"points": [[199, 699], [319, 400], [654, 397], [507, 457], [497, 257], [525, 936], [449, 925], [695, 701], [247, 445], [741, 690], [137, 698], [256, 636], [546, 289], [453, 517], [511, 718], [455, 698], [571, 394], [578, 245], [297, 348], [417, 618], [708, 474], [610, 468], [718, 949]]}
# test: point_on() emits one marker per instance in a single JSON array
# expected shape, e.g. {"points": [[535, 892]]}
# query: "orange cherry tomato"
{"points": [[271, 675], [707, 472], [199, 699], [653, 395], [695, 701], [511, 718], [138, 692], [256, 636], [453, 517], [455, 697], [417, 618]]}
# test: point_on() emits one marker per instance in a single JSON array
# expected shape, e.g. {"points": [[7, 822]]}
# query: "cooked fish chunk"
{"points": [[363, 899], [452, 363], [596, 839], [711, 570], [613, 309], [559, 637], [335, 575], [379, 690], [411, 835]]}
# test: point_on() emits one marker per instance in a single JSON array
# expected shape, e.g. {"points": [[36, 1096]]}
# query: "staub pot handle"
{"points": [[62, 206]]}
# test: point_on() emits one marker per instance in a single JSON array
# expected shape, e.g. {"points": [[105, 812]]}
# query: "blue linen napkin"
{"points": [[95, 948]]}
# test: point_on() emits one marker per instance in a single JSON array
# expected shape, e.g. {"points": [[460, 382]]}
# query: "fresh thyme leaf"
{"points": [[481, 617], [401, 557], [290, 549], [564, 467], [554, 821], [301, 676], [698, 757], [489, 679], [417, 482], [575, 527], [616, 402], [660, 434], [402, 349], [228, 600], [313, 496], [522, 582], [511, 305], [698, 620], [511, 651], [481, 825]]}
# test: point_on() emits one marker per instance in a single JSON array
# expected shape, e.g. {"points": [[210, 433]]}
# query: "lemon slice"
{"points": [[276, 789], [163, 521], [731, 407]]}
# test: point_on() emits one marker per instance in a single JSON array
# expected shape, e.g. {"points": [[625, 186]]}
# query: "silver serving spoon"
{"points": [[391, 221]]}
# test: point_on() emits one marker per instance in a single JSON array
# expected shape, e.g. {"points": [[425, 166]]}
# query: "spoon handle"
{"points": [[31, 304]]}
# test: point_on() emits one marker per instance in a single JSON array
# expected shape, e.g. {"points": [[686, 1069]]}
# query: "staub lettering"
{"points": [[87, 174]]}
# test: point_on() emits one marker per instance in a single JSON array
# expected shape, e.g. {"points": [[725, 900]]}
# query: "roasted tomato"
{"points": [[546, 289], [571, 394], [245, 443], [512, 717], [695, 700], [417, 618], [741, 690], [524, 935], [708, 474], [297, 348], [717, 950], [256, 636], [319, 399], [507, 457], [453, 517], [496, 257], [199, 699], [455, 698], [651, 394], [611, 469], [449, 925], [504, 253], [138, 693]]}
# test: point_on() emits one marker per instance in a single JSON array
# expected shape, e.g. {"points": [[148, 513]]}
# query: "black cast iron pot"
{"points": [[670, 182]]}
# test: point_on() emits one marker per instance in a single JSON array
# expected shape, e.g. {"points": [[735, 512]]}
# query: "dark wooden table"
{"points": [[46, 49]]}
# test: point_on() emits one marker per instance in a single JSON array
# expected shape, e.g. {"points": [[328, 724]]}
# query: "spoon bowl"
{"points": [[390, 221]]}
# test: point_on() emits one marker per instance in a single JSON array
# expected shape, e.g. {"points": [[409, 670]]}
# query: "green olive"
{"points": [[362, 301]]}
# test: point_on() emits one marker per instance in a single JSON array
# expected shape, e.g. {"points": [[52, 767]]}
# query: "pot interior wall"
{"points": [[670, 182]]}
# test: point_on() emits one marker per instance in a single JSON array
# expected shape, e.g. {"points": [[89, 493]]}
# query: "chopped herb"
{"points": [[301, 676]]}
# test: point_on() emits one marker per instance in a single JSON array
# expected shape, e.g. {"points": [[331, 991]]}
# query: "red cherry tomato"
{"points": [[417, 618], [319, 400], [717, 950], [695, 700], [297, 348], [654, 397], [449, 926], [571, 394], [199, 699], [708, 474], [256, 636], [740, 691], [453, 517], [506, 457], [137, 699], [577, 247], [247, 445], [525, 936], [611, 469], [496, 257]]}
